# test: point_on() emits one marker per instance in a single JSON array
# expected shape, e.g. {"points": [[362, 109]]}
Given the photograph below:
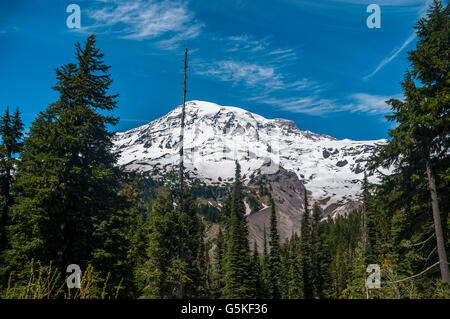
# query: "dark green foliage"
{"points": [[239, 281], [344, 234], [306, 252], [253, 203], [66, 202], [225, 213], [257, 273], [149, 188], [418, 151], [265, 272], [218, 272], [68, 185], [200, 190], [123, 240], [194, 249], [162, 269], [211, 213], [275, 266], [320, 256], [162, 251], [11, 128], [295, 274], [284, 271]]}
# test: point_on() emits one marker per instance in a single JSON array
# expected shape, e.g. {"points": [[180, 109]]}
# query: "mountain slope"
{"points": [[216, 136]]}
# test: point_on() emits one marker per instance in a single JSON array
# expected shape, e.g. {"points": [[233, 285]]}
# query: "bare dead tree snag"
{"points": [[180, 290]]}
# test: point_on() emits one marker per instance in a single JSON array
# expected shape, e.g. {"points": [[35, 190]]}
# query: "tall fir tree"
{"points": [[239, 279], [306, 251], [218, 280], [67, 181], [275, 254], [284, 272], [256, 266], [320, 257], [265, 272], [194, 248], [163, 271], [356, 286], [162, 251], [419, 143], [11, 134], [295, 287], [120, 234]]}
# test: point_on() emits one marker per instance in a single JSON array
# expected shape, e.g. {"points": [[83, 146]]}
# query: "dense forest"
{"points": [[65, 201]]}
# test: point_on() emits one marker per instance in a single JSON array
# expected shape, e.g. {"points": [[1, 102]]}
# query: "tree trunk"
{"points": [[181, 289], [437, 221], [5, 210], [364, 229], [7, 203]]}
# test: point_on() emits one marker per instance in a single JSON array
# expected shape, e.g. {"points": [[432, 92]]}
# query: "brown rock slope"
{"points": [[288, 193]]}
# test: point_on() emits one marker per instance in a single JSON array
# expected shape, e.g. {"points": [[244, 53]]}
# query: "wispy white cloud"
{"points": [[253, 63], [250, 61], [286, 57], [280, 51], [174, 41], [305, 84], [267, 78], [254, 48], [391, 57], [421, 11], [142, 20], [318, 105], [263, 75], [239, 72], [267, 81], [245, 43], [313, 105], [368, 103]]}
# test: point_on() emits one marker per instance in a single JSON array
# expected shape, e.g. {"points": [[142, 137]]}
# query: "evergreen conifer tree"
{"points": [[67, 181], [162, 250], [320, 258], [275, 254], [239, 279], [265, 272], [11, 143], [218, 267], [419, 143], [306, 252], [295, 287]]}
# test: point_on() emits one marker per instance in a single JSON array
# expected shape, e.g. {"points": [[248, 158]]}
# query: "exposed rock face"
{"points": [[288, 193], [341, 163]]}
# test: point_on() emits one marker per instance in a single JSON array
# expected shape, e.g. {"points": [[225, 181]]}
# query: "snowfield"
{"points": [[216, 136]]}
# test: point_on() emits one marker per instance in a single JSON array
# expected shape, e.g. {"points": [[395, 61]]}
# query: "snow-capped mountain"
{"points": [[215, 136]]}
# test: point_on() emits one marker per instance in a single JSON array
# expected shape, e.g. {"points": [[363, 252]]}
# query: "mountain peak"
{"points": [[216, 136], [204, 108]]}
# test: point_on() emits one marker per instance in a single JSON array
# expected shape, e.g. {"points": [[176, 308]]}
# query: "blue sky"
{"points": [[314, 62]]}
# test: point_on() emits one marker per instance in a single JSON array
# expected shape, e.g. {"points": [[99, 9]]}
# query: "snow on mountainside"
{"points": [[216, 136]]}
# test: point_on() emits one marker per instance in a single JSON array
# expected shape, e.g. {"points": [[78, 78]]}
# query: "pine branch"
{"points": [[421, 243], [413, 276]]}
